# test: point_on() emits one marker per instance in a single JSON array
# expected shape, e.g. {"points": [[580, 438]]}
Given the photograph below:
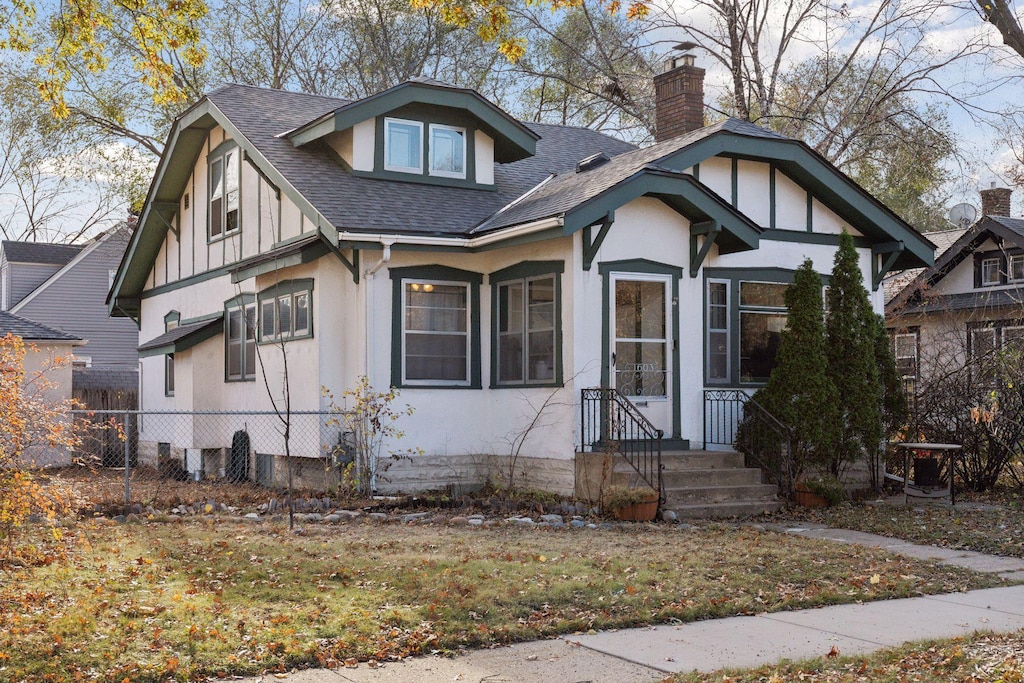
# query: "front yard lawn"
{"points": [[982, 657], [993, 529], [146, 602]]}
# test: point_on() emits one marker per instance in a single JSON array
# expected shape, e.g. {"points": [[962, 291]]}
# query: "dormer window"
{"points": [[447, 151], [990, 271], [224, 200], [403, 146]]}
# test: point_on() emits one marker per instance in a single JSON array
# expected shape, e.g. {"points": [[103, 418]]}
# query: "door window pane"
{"points": [[640, 341], [639, 309], [640, 368]]}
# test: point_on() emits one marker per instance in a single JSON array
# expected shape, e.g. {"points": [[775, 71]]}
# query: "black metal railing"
{"points": [[610, 422], [733, 418]]}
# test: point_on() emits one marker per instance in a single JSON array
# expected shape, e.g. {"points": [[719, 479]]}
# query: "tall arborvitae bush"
{"points": [[799, 392], [894, 399], [851, 335]]}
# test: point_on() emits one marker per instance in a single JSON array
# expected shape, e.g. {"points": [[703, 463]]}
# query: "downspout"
{"points": [[386, 243]]}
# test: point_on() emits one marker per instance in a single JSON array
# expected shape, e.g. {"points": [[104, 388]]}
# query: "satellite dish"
{"points": [[962, 215]]}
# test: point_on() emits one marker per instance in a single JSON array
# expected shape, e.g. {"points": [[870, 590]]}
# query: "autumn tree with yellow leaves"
{"points": [[33, 422]]}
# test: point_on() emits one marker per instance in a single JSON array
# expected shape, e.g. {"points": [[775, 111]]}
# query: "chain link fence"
{"points": [[166, 458]]}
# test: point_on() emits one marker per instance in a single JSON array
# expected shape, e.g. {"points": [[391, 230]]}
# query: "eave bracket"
{"points": [[591, 244], [880, 267], [352, 266], [711, 230]]}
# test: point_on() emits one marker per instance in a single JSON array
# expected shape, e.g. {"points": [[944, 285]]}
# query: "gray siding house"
{"points": [[65, 287]]}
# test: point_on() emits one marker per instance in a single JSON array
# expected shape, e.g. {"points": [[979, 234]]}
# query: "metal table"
{"points": [[947, 452]]}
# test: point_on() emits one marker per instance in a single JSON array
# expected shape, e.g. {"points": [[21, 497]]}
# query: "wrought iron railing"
{"points": [[610, 422], [733, 418]]}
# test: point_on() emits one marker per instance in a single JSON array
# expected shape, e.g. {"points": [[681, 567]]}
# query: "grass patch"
{"points": [[981, 657], [149, 602], [997, 530]]}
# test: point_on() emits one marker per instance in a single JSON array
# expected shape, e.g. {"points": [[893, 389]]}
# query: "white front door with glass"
{"points": [[641, 342]]}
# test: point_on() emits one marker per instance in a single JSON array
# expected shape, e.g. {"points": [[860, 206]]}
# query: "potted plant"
{"points": [[631, 504], [819, 492]]}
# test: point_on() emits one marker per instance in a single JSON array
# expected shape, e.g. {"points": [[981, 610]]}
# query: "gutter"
{"points": [[465, 242]]}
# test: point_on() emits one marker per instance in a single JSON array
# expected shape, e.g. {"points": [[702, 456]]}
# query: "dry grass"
{"points": [[981, 658], [147, 602]]}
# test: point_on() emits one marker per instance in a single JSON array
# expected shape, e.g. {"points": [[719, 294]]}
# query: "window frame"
{"points": [[726, 330], [525, 272], [415, 170], [219, 155], [437, 275], [242, 303], [430, 151], [1010, 259], [292, 290], [171, 321]]}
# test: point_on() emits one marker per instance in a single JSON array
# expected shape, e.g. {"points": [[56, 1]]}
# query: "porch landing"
{"points": [[701, 484]]}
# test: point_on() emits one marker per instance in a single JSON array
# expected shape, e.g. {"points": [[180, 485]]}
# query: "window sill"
{"points": [[278, 340], [553, 384], [234, 380], [404, 386], [223, 236]]}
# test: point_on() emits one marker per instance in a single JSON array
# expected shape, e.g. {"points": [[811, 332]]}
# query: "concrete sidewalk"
{"points": [[650, 654]]}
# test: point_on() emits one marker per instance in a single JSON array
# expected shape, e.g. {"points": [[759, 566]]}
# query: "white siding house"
{"points": [[427, 240]]}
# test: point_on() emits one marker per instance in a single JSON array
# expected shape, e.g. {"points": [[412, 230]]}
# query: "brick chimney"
{"points": [[679, 98], [995, 201]]}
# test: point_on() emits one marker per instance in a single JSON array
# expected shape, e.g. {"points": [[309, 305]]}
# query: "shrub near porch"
{"points": [[147, 602]]}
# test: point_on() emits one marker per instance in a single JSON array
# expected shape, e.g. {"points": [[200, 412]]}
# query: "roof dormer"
{"points": [[422, 131]]}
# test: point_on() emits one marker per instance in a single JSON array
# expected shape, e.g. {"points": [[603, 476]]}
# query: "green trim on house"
{"points": [[592, 245], [524, 271], [240, 301], [206, 329], [734, 276], [606, 268], [171, 317], [512, 140], [437, 273], [296, 286], [828, 239], [711, 230], [772, 199], [810, 212], [734, 182], [813, 172], [308, 248], [223, 147], [679, 191], [880, 269]]}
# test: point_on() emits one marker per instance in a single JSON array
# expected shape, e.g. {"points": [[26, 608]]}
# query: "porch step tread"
{"points": [[724, 476], [721, 510], [693, 495]]}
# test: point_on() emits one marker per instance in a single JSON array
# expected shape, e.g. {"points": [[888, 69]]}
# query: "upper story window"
{"points": [[447, 151], [990, 271], [1015, 269], [403, 146], [994, 268], [224, 193]]}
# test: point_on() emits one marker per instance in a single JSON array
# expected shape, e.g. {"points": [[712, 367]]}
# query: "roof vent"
{"points": [[592, 162]]}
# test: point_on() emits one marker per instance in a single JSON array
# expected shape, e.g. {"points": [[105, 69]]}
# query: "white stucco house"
{"points": [[426, 239]]}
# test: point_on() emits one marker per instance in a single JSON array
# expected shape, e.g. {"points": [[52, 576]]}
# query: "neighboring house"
{"points": [[428, 240], [65, 287], [969, 303], [47, 355]]}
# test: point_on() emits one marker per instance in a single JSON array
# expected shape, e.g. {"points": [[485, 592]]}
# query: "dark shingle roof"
{"points": [[40, 252], [943, 240], [980, 300], [374, 205], [182, 337], [30, 330], [1014, 224]]}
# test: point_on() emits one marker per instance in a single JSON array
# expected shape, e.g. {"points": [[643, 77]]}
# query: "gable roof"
{"points": [[40, 252], [943, 240], [348, 206], [183, 337], [513, 140], [30, 330], [1003, 228], [121, 233]]}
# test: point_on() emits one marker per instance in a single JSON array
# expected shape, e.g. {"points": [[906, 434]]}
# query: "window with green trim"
{"points": [[225, 173], [240, 354], [285, 311], [526, 331], [171, 321], [447, 151], [403, 146]]}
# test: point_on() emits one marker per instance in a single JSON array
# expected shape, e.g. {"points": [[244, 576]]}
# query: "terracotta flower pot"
{"points": [[638, 512], [809, 499]]}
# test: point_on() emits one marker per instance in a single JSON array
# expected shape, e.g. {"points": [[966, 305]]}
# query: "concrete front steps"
{"points": [[701, 484]]}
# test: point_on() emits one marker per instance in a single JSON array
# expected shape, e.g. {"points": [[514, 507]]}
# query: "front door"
{"points": [[641, 340]]}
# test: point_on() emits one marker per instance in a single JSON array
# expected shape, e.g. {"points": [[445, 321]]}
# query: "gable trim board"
{"points": [[988, 227], [512, 139]]}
